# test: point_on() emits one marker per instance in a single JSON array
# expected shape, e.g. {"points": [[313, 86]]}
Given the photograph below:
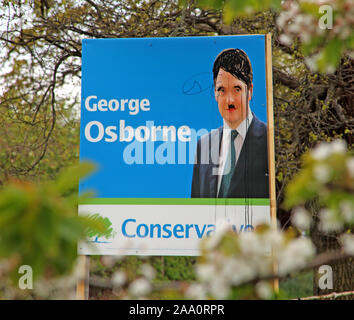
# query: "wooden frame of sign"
{"points": [[82, 289], [271, 152], [82, 286]]}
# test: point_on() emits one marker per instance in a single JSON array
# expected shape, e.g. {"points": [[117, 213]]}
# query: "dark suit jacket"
{"points": [[250, 178]]}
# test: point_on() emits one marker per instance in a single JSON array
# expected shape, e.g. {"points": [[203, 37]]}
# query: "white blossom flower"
{"points": [[293, 9], [221, 227], [248, 9], [321, 152], [338, 146], [219, 288], [264, 290], [322, 173], [197, 12], [139, 287], [238, 270], [148, 271], [275, 238], [324, 150], [42, 288], [205, 271], [251, 244], [118, 278], [108, 261], [281, 20], [329, 221], [265, 266], [350, 166], [285, 39], [295, 255], [196, 291], [295, 26], [345, 32], [347, 211], [301, 219], [305, 37], [311, 62], [214, 255], [330, 68], [348, 243]]}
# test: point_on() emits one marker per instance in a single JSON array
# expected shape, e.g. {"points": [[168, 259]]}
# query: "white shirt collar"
{"points": [[243, 126]]}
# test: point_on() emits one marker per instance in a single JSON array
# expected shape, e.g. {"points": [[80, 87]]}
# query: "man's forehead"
{"points": [[224, 76]]}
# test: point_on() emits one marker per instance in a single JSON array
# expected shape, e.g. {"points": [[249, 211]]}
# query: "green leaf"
{"points": [[311, 47], [70, 178], [310, 8], [330, 55], [209, 4], [229, 13]]}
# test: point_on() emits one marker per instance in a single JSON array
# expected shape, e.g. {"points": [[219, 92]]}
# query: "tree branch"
{"points": [[333, 295], [285, 79]]}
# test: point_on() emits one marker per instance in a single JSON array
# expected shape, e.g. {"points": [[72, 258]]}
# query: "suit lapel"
{"points": [[243, 162]]}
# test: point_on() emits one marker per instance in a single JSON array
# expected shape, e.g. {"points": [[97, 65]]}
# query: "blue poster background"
{"points": [[175, 74]]}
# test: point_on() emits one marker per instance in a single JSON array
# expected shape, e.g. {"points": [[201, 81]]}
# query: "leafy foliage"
{"points": [[326, 175], [301, 20], [39, 225]]}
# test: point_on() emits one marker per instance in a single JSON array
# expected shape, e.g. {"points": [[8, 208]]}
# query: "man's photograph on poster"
{"points": [[232, 161]]}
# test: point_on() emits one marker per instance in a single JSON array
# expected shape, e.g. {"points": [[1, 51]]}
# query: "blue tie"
{"points": [[226, 178]]}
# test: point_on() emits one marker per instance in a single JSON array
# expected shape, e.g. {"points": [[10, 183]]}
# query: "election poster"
{"points": [[179, 130]]}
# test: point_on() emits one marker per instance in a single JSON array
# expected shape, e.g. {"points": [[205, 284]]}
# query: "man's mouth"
{"points": [[231, 107]]}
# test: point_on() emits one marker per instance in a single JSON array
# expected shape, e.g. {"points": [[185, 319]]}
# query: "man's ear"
{"points": [[250, 92]]}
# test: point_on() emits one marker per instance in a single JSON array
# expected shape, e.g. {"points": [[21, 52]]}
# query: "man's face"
{"points": [[230, 94]]}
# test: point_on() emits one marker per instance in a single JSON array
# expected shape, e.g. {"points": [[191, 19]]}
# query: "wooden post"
{"points": [[271, 152], [82, 287]]}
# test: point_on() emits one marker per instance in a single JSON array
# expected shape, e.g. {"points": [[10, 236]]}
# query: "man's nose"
{"points": [[230, 98]]}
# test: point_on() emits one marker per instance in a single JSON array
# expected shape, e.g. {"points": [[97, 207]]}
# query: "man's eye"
{"points": [[238, 89], [220, 89]]}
